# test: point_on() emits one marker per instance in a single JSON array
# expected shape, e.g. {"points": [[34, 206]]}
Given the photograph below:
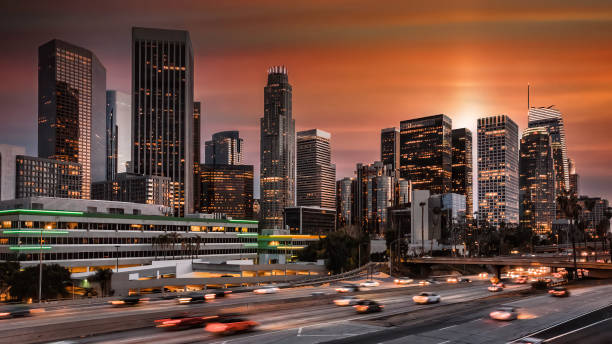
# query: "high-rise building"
{"points": [[345, 201], [46, 177], [309, 220], [71, 109], [225, 148], [498, 153], [425, 153], [536, 181], [593, 212], [551, 119], [162, 106], [227, 189], [462, 167], [118, 132], [573, 178], [8, 168], [390, 147], [316, 174], [135, 188], [197, 112], [277, 149]]}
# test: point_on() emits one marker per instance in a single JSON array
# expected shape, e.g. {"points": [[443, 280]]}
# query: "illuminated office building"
{"points": [[197, 113], [462, 167], [425, 153], [498, 187], [225, 148], [46, 177], [72, 108], [536, 181], [118, 133], [277, 151], [345, 201], [162, 106], [573, 177], [135, 188], [227, 189], [390, 147], [316, 174]]}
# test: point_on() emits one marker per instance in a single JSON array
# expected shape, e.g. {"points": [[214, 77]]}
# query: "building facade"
{"points": [[425, 153], [498, 187], [316, 175], [390, 147], [573, 178], [462, 167], [162, 127], [345, 193], [309, 220], [536, 181], [593, 212], [135, 188], [225, 148], [197, 113], [8, 169], [72, 108], [47, 177], [227, 189], [118, 133], [277, 151]]}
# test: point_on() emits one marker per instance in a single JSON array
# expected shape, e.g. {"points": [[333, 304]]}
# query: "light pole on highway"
{"points": [[117, 266]]}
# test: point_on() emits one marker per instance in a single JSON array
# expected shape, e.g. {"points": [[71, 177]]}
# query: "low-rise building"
{"points": [[135, 188], [310, 220]]}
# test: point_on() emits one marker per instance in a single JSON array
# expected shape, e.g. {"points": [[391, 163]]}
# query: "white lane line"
{"points": [[446, 328], [576, 330], [299, 331], [446, 341]]}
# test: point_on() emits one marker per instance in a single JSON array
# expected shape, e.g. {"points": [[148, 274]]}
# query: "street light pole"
{"points": [[117, 266], [40, 268]]}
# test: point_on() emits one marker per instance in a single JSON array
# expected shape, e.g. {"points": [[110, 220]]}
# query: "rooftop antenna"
{"points": [[528, 96]]}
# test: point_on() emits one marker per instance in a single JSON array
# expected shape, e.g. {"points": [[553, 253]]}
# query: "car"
{"points": [[465, 280], [425, 298], [192, 298], [427, 257], [368, 306], [346, 301], [369, 284], [504, 314], [495, 288], [318, 293], [483, 275], [521, 280], [424, 283], [559, 292], [131, 300], [453, 280], [403, 280], [347, 288], [213, 294], [184, 321], [15, 312], [226, 325], [266, 290]]}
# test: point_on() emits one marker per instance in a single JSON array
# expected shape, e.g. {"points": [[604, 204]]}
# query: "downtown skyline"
{"points": [[439, 73]]}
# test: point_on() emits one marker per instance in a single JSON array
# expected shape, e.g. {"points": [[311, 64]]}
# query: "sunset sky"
{"points": [[356, 66]]}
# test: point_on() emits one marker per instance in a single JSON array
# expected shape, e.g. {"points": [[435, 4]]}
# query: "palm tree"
{"points": [[568, 205], [103, 276], [174, 237]]}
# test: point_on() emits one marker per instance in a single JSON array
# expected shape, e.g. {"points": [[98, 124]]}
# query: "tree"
{"points": [[340, 251], [55, 279], [174, 238], [103, 277], [568, 204], [8, 272]]}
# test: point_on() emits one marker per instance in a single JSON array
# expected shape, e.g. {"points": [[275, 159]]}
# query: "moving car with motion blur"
{"points": [[424, 283], [346, 301], [191, 298], [226, 325], [453, 280], [15, 312], [425, 298], [520, 280], [368, 284], [504, 314], [559, 292], [266, 290], [214, 294], [181, 322], [347, 288], [483, 275], [368, 306], [403, 280], [131, 300], [496, 287]]}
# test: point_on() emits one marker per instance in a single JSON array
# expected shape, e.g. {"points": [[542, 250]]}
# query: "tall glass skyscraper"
{"points": [[197, 113], [225, 148], [277, 151], [390, 147], [162, 100], [462, 167], [425, 150], [316, 175], [536, 180], [498, 187], [71, 109], [118, 132]]}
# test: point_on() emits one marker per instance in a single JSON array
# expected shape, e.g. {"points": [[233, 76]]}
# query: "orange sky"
{"points": [[355, 67]]}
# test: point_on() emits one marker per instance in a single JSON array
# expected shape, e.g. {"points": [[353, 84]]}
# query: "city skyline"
{"points": [[467, 88]]}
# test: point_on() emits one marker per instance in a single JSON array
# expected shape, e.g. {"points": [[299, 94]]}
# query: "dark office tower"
{"points": [[498, 153], [197, 111], [277, 150], [316, 175], [462, 167], [118, 132], [225, 148], [551, 119], [47, 178], [227, 189], [536, 181], [71, 109], [162, 101], [573, 177], [345, 202], [425, 153], [390, 147]]}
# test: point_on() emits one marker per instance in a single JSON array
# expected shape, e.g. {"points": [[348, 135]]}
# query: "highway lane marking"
{"points": [[446, 341], [446, 328], [578, 329]]}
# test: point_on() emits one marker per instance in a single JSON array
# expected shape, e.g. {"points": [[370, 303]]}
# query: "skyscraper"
{"points": [[162, 100], [536, 181], [462, 167], [118, 133], [498, 154], [551, 119], [573, 178], [390, 147], [345, 201], [225, 148], [277, 149], [197, 111], [425, 149], [227, 189], [71, 109], [315, 173]]}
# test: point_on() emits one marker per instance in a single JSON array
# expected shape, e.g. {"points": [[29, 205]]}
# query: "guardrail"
{"points": [[338, 277]]}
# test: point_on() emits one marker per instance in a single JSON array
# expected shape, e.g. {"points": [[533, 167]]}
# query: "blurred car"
{"points": [[180, 322], [529, 340], [483, 275], [346, 301], [403, 280], [347, 288], [453, 280], [266, 290], [424, 298], [559, 292], [369, 284], [213, 294], [521, 280], [465, 280], [368, 306], [424, 283], [192, 298], [226, 325], [131, 300], [427, 257], [495, 288], [317, 293], [15, 312], [504, 313]]}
